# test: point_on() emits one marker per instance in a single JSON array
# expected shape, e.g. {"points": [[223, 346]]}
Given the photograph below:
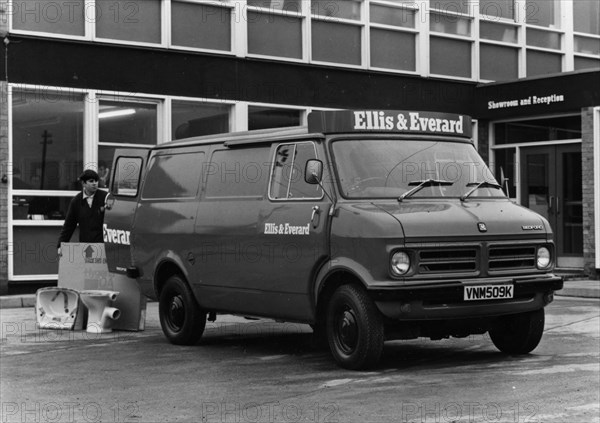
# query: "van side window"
{"points": [[173, 176], [238, 173], [127, 176], [287, 176]]}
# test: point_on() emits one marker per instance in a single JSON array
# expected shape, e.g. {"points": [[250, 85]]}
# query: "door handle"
{"points": [[109, 201], [550, 205], [315, 210], [557, 206]]}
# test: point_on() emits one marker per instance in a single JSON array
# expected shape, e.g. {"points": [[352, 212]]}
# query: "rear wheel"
{"points": [[181, 318], [354, 328], [519, 333]]}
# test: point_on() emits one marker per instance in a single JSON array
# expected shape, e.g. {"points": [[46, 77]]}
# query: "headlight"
{"points": [[400, 263], [543, 258]]}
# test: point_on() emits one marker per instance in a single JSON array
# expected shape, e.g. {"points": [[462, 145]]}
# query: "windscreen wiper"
{"points": [[477, 185], [422, 184]]}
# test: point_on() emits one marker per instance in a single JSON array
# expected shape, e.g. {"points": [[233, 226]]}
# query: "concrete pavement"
{"points": [[585, 288]]}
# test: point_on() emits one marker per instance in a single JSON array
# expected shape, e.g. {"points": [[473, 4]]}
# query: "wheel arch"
{"points": [[328, 284], [164, 270]]}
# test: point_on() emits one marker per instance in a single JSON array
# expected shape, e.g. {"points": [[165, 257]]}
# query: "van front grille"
{"points": [[471, 260], [511, 258], [448, 261]]}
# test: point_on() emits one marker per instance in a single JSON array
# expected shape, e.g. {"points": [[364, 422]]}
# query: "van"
{"points": [[368, 225]]}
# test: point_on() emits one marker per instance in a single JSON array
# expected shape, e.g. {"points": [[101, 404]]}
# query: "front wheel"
{"points": [[519, 333], [181, 318], [354, 328]]}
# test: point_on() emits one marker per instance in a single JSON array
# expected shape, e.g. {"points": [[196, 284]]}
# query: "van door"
{"points": [[125, 182], [295, 225]]}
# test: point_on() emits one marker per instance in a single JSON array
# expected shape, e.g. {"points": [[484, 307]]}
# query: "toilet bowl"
{"points": [[101, 314], [57, 308]]}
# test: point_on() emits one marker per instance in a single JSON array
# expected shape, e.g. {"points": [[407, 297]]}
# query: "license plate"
{"points": [[488, 292]]}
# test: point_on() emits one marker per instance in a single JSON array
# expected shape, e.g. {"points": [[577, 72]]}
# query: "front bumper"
{"points": [[445, 299]]}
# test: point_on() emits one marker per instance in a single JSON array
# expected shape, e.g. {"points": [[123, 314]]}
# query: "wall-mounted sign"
{"points": [[526, 101], [560, 93]]}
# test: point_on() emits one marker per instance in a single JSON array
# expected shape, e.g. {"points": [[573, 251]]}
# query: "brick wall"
{"points": [[587, 165]]}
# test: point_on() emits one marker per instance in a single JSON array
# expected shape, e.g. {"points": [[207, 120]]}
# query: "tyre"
{"points": [[519, 333], [181, 319], [354, 328]]}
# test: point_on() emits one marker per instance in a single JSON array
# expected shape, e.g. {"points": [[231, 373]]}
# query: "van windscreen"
{"points": [[378, 168]]}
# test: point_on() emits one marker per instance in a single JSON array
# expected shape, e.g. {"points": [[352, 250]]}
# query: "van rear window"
{"points": [[174, 176], [127, 176]]}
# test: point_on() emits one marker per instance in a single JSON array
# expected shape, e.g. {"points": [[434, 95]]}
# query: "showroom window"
{"points": [[48, 138], [192, 119], [260, 117], [504, 170], [534, 130], [122, 124], [47, 158]]}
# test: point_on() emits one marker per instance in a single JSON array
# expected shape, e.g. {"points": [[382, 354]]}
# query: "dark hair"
{"points": [[89, 174]]}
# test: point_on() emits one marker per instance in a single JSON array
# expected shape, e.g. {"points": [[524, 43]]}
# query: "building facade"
{"points": [[83, 77]]}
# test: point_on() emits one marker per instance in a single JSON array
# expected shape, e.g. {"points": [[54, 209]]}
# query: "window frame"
{"points": [[472, 39], [276, 147], [169, 153], [300, 15], [233, 27], [112, 189], [206, 178], [393, 28]]}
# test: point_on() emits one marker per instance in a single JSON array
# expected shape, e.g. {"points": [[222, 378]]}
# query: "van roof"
{"points": [[246, 137]]}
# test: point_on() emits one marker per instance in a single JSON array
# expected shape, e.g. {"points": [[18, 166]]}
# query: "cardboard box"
{"points": [[82, 266]]}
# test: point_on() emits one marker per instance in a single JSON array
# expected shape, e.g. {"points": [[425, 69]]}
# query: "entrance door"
{"points": [[551, 186]]}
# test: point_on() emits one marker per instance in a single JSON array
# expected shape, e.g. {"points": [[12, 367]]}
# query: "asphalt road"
{"points": [[263, 371]]}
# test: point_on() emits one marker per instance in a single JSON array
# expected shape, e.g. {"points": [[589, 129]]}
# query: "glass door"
{"points": [[551, 186]]}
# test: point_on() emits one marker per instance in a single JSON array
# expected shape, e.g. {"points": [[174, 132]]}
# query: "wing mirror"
{"points": [[313, 173]]}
